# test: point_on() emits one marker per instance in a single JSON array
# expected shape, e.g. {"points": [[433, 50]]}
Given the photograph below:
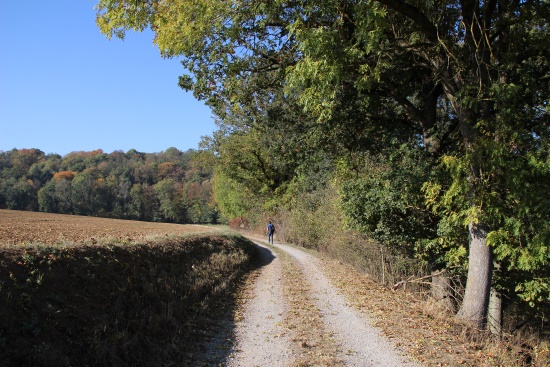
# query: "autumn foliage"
{"points": [[164, 187], [64, 175], [239, 223]]}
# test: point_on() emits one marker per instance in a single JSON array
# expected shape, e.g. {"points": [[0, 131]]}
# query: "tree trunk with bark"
{"points": [[441, 290], [494, 317], [480, 271]]}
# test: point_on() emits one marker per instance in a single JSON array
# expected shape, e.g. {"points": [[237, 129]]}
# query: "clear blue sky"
{"points": [[64, 87]]}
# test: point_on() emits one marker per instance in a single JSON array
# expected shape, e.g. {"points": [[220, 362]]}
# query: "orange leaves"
{"points": [[165, 169], [67, 175]]}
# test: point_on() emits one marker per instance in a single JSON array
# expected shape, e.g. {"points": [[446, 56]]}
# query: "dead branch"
{"points": [[416, 280]]}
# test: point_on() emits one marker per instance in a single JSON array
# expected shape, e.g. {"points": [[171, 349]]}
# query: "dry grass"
{"points": [[115, 303], [426, 332]]}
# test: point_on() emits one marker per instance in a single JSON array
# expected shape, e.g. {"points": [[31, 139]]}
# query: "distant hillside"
{"points": [[170, 186]]}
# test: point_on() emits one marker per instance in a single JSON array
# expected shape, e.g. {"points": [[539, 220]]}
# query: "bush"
{"points": [[239, 223], [316, 221]]}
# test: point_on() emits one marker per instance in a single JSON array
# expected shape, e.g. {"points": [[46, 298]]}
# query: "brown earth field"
{"points": [[84, 291], [21, 227]]}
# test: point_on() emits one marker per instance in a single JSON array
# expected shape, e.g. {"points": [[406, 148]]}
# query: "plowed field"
{"points": [[18, 227]]}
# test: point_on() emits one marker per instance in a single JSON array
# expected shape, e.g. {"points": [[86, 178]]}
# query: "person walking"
{"points": [[270, 231]]}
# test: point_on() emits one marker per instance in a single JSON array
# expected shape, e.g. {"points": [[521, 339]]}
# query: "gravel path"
{"points": [[360, 343], [261, 339]]}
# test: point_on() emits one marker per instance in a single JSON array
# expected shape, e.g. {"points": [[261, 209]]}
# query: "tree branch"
{"points": [[414, 14]]}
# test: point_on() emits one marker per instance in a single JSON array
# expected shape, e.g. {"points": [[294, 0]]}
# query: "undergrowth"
{"points": [[315, 222], [116, 304]]}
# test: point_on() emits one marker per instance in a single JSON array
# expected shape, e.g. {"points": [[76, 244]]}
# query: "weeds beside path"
{"points": [[409, 321]]}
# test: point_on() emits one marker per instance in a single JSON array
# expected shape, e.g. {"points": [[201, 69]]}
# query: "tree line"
{"points": [[170, 186], [421, 125]]}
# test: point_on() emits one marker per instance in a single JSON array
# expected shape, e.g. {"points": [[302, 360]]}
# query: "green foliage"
{"points": [[381, 196], [167, 194], [256, 161], [509, 197], [447, 103], [232, 199], [130, 185], [85, 194]]}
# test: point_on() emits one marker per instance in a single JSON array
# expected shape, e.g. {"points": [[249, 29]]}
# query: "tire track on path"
{"points": [[359, 343], [260, 336], [297, 318]]}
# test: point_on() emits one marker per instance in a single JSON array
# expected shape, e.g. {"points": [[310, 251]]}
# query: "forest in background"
{"points": [[170, 186]]}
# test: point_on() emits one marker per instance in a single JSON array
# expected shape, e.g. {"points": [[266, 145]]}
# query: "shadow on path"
{"points": [[264, 255], [220, 341]]}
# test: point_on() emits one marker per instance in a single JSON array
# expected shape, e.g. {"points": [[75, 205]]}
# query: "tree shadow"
{"points": [[220, 342]]}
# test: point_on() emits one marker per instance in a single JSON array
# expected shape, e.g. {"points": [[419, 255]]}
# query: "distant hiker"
{"points": [[270, 230]]}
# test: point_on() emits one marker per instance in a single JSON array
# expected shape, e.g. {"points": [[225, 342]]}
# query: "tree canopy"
{"points": [[462, 86]]}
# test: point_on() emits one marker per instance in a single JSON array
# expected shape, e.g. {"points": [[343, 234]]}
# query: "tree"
{"points": [[136, 206], [467, 78], [23, 159], [197, 197], [64, 175], [62, 196], [19, 194], [232, 198], [46, 198], [43, 171], [382, 195], [120, 185], [170, 201], [165, 170], [86, 193]]}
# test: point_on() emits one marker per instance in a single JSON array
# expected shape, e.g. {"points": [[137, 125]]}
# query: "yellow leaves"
{"points": [[449, 161], [431, 191], [179, 25]]}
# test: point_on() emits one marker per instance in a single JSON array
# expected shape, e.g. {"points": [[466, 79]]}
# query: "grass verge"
{"points": [[116, 304], [427, 333]]}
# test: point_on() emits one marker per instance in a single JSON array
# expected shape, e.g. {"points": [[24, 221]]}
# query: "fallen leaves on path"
{"points": [[304, 322]]}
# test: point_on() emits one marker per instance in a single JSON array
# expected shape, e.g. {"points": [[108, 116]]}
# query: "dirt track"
{"points": [[267, 335]]}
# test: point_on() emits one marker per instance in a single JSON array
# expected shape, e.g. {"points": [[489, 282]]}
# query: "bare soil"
{"points": [[22, 227]]}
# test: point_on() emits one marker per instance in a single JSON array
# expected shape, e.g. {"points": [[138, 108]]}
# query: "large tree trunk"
{"points": [[494, 318], [478, 284]]}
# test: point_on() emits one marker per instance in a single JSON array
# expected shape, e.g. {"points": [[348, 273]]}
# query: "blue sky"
{"points": [[64, 87]]}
